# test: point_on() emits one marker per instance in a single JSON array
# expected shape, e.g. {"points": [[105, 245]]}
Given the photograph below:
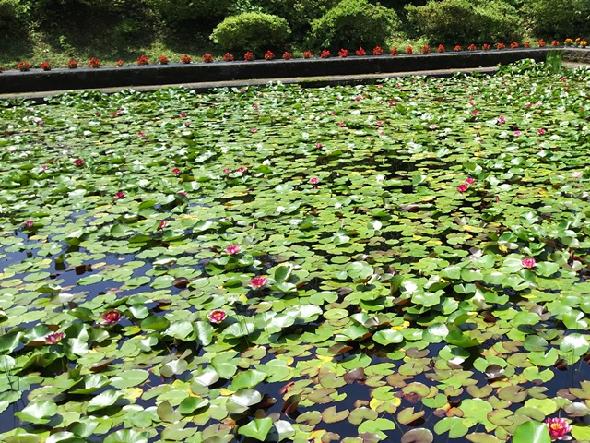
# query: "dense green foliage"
{"points": [[466, 21], [299, 13], [424, 243], [9, 15], [252, 31], [354, 23], [187, 10], [558, 18]]}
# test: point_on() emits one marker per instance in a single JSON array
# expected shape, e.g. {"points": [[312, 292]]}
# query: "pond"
{"points": [[406, 261]]}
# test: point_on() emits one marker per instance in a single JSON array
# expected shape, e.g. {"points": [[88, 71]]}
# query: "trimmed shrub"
{"points": [[187, 10], [251, 30], [10, 15], [354, 23], [465, 20], [299, 13], [558, 18]]}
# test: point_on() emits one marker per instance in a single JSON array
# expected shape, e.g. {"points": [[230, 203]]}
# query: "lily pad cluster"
{"points": [[406, 261]]}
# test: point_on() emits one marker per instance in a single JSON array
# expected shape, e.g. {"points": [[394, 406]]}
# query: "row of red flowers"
{"points": [[143, 59]]}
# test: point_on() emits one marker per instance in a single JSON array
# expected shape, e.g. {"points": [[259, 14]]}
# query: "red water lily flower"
{"points": [[233, 249], [79, 162], [258, 282], [228, 57], [462, 188], [314, 181], [217, 316], [360, 51], [54, 338], [111, 318], [162, 225], [176, 171], [119, 195], [378, 50], [558, 427], [529, 262]]}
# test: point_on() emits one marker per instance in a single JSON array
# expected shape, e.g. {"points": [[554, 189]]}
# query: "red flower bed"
{"points": [[208, 57], [120, 63], [287, 55], [307, 54], [472, 47], [360, 52], [486, 47], [500, 45], [186, 59], [325, 54], [425, 49], [409, 49], [94, 62], [72, 63], [457, 48], [378, 50], [393, 51], [269, 55], [45, 65], [249, 56], [143, 60], [23, 66], [441, 48], [163, 59], [343, 53], [228, 57]]}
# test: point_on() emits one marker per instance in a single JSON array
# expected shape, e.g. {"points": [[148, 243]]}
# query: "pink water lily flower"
{"points": [[111, 318], [119, 195], [54, 338], [529, 262], [541, 131], [501, 120], [226, 171], [217, 316], [183, 194], [469, 180], [162, 225], [176, 171], [258, 282], [319, 146], [241, 170], [79, 162], [558, 427], [314, 181], [517, 133], [233, 249], [28, 224], [462, 188]]}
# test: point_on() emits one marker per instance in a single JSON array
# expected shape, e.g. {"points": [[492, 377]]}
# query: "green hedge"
{"points": [[299, 13], [254, 31], [11, 14], [466, 21], [558, 18], [186, 10], [354, 23]]}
